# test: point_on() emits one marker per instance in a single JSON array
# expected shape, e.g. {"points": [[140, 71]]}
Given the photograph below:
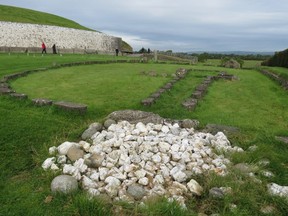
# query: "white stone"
{"points": [[194, 187], [93, 192], [48, 163], [96, 149], [88, 183], [103, 172], [140, 173], [158, 179], [143, 181], [176, 156], [52, 150], [71, 170], [64, 147], [175, 148], [95, 176], [277, 190], [177, 173], [156, 158], [62, 159], [85, 145], [180, 176], [112, 186], [54, 167], [141, 127], [80, 165], [164, 147], [165, 129]]}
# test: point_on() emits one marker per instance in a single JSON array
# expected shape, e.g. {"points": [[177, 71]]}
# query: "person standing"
{"points": [[43, 48], [54, 49]]}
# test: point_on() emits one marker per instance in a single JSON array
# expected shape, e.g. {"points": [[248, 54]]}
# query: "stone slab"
{"points": [[19, 96], [69, 106]]}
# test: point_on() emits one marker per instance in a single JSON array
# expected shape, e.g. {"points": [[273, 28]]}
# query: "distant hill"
{"points": [[233, 52], [22, 15]]}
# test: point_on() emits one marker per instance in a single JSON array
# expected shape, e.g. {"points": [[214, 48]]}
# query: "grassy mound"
{"points": [[22, 15]]}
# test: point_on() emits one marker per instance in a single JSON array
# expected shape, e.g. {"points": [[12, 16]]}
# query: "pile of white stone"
{"points": [[136, 161]]}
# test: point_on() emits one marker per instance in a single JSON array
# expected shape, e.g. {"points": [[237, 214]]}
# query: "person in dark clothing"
{"points": [[43, 48], [54, 49], [117, 51]]}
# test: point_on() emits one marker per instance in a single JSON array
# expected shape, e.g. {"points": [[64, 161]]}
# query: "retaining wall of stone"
{"points": [[18, 37]]}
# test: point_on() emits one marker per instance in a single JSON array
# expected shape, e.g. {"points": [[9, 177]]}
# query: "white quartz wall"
{"points": [[22, 35]]}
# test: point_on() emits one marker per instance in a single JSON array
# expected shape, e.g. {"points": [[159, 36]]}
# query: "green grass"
{"points": [[22, 15], [104, 88], [253, 103], [15, 62]]}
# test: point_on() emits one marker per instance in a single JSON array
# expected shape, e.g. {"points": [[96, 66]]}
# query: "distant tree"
{"points": [[149, 51], [280, 59], [142, 50]]}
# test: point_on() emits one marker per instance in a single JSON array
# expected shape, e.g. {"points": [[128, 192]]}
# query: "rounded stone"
{"points": [[64, 184], [93, 128], [136, 191], [74, 153], [109, 122], [189, 123], [216, 192]]}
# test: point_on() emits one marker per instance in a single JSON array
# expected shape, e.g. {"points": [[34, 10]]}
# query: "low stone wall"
{"points": [[18, 37], [283, 82]]}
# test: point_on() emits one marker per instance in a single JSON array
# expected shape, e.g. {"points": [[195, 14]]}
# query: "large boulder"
{"points": [[64, 184], [232, 64], [135, 116]]}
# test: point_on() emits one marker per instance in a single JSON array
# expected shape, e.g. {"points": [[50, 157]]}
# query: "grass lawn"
{"points": [[253, 103]]}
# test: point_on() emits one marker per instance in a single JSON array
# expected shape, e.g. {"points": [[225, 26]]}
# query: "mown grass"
{"points": [[253, 103], [22, 15]]}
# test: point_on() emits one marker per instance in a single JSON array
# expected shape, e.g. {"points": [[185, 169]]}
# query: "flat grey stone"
{"points": [[74, 153], [135, 116], [81, 108], [19, 96]]}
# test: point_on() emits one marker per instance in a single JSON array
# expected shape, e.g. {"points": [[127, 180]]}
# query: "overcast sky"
{"points": [[179, 25]]}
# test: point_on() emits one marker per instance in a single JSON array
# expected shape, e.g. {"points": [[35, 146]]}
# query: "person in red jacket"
{"points": [[43, 48]]}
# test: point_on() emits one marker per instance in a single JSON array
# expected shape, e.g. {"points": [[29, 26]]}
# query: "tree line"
{"points": [[280, 59]]}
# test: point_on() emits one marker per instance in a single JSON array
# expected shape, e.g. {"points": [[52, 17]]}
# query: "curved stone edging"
{"points": [[5, 88]]}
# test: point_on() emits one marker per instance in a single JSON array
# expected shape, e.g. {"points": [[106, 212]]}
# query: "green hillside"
{"points": [[22, 15], [16, 14]]}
